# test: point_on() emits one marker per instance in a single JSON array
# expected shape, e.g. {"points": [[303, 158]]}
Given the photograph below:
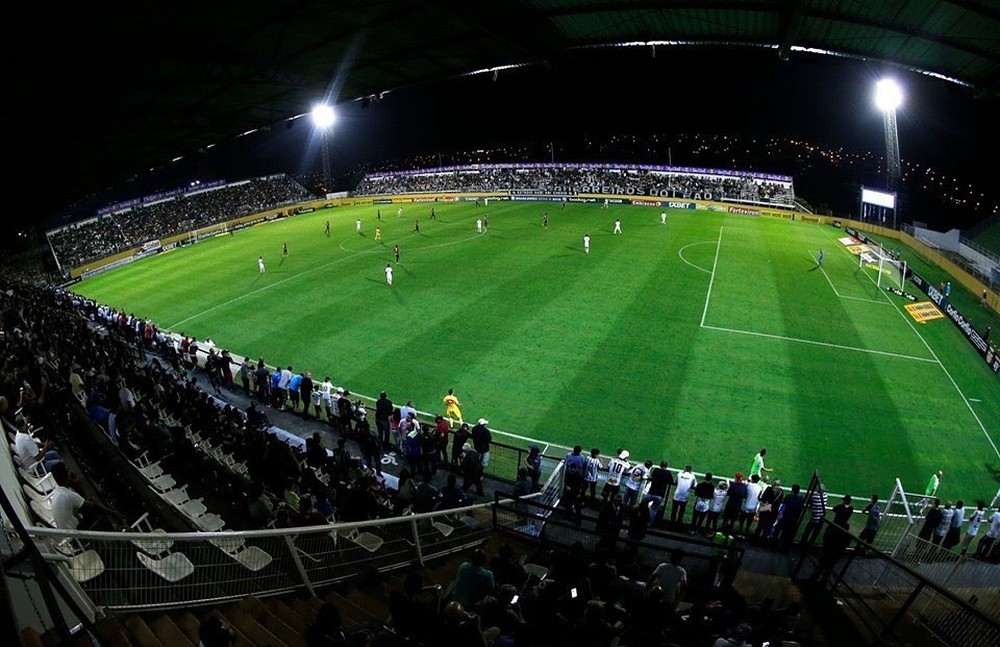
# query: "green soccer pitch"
{"points": [[698, 341]]}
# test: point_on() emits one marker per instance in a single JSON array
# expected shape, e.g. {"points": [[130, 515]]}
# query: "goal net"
{"points": [[888, 270]]}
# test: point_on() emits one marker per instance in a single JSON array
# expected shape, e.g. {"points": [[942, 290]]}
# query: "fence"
{"points": [[119, 571], [901, 603]]}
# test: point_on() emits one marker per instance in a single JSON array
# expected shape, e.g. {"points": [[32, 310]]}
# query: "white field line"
{"points": [[822, 343], [697, 267], [711, 281], [353, 254], [909, 323], [845, 296]]}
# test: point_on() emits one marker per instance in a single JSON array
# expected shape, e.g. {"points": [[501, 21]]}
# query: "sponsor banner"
{"points": [[539, 192], [167, 248], [425, 199], [746, 211], [775, 214], [900, 293], [847, 241], [674, 204], [300, 210], [924, 311], [336, 194], [535, 198], [151, 245], [382, 201], [590, 200], [654, 203], [810, 219], [971, 334]]}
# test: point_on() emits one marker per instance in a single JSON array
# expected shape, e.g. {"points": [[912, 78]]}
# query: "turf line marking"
{"points": [[822, 343], [974, 400], [816, 260], [697, 267], [846, 296], [958, 389], [711, 281], [353, 254]]}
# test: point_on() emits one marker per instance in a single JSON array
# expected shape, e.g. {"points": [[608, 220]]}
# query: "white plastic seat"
{"points": [[84, 564], [193, 508], [210, 522], [534, 569], [163, 483], [366, 540], [252, 557], [149, 469], [45, 483], [33, 494], [443, 528], [155, 546], [176, 497], [173, 567], [43, 512]]}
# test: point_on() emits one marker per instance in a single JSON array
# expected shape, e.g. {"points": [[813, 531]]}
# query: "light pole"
{"points": [[323, 118], [888, 97]]}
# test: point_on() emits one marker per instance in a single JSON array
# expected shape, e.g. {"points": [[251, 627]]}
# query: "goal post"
{"points": [[889, 271]]}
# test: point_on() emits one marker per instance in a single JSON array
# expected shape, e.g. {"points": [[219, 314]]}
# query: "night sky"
{"points": [[705, 90]]}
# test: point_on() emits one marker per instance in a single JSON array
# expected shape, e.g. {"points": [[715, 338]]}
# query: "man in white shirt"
{"points": [[616, 469], [663, 217], [586, 243], [671, 577], [685, 482], [69, 508], [286, 377], [635, 479], [986, 544], [29, 451], [750, 504]]}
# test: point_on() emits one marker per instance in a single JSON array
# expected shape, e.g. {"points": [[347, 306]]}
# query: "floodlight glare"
{"points": [[323, 116], [888, 95]]}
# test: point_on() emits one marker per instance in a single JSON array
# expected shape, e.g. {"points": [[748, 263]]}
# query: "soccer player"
{"points": [[400, 212], [479, 225], [378, 215], [395, 250], [819, 259], [284, 249], [663, 217], [378, 233], [586, 243], [327, 232], [388, 274], [545, 220], [451, 408], [618, 226], [605, 203], [433, 215], [357, 225], [486, 222], [416, 225], [260, 264]]}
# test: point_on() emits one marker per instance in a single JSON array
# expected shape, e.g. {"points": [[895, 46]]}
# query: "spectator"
{"points": [[874, 513], [703, 494], [671, 578], [472, 470], [71, 511], [685, 483], [481, 441], [473, 581]]}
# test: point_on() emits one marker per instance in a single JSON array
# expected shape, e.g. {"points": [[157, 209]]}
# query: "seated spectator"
{"points": [[426, 497], [459, 627], [506, 569], [260, 509], [452, 496], [473, 581], [29, 451], [71, 511], [328, 630], [415, 611]]}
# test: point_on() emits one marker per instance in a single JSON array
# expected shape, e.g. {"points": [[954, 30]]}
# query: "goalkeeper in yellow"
{"points": [[451, 407]]}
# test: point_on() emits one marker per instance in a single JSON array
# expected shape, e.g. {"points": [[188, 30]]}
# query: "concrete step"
{"points": [[256, 608], [164, 628], [111, 633], [142, 635]]}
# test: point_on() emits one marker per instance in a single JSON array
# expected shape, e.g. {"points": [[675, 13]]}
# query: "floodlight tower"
{"points": [[888, 97], [323, 118]]}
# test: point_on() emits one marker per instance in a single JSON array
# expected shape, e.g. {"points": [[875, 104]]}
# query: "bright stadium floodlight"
{"points": [[888, 97], [323, 118]]}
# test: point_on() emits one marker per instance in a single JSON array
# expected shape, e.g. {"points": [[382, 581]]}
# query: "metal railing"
{"points": [[895, 601], [156, 570]]}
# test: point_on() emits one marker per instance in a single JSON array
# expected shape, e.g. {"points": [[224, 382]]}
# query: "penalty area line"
{"points": [[825, 344], [711, 281]]}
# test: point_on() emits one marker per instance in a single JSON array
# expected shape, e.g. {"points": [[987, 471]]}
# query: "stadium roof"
{"points": [[103, 92]]}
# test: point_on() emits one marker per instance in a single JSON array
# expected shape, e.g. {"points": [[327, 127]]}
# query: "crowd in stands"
{"points": [[98, 238], [574, 179]]}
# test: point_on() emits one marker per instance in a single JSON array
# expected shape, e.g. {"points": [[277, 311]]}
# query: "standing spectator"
{"points": [[383, 412], [534, 464], [473, 581], [767, 512], [293, 392], [787, 522], [282, 390], [750, 504], [703, 493], [245, 372], [481, 441], [594, 466], [944, 525], [954, 534], [672, 578], [458, 441], [262, 381], [874, 512], [817, 511], [472, 469], [718, 503], [977, 518], [442, 430], [616, 469], [660, 480], [685, 483], [305, 392], [575, 465], [734, 502], [987, 544], [635, 481]]}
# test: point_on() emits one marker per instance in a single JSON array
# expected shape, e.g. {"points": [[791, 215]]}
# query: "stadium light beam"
{"points": [[888, 97], [323, 117]]}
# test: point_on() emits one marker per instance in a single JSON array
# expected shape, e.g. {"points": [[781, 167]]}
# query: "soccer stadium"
{"points": [[497, 398]]}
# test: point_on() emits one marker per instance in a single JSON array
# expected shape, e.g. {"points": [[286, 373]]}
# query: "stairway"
{"points": [[279, 621]]}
